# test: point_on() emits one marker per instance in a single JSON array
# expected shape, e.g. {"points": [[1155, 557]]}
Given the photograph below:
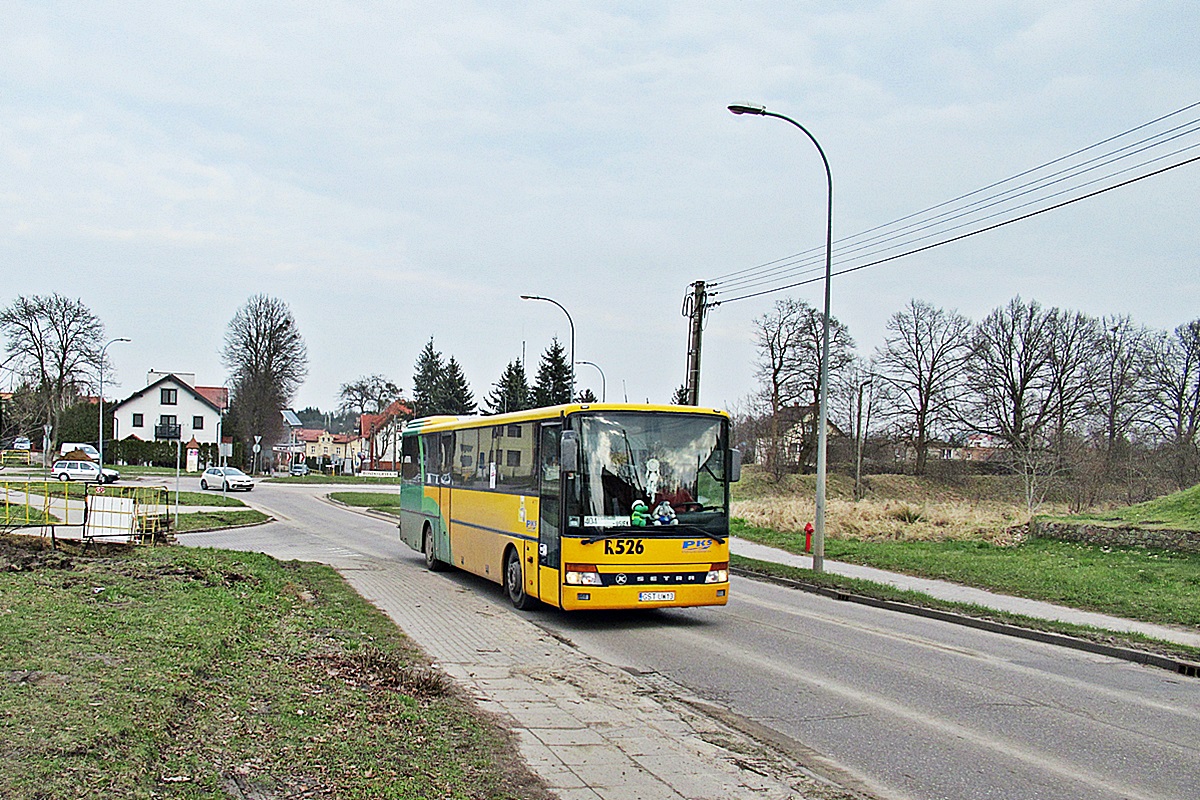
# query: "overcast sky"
{"points": [[395, 171]]}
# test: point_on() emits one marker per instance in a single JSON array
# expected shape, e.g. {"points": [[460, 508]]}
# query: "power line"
{"points": [[971, 233], [976, 207], [910, 238], [888, 237]]}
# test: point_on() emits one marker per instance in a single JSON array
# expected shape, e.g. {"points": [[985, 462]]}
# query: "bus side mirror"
{"points": [[569, 451], [735, 466]]}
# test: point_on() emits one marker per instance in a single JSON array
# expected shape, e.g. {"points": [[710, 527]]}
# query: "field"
{"points": [[190, 673], [974, 532]]}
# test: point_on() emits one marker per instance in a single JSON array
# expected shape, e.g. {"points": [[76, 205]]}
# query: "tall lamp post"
{"points": [[823, 413], [100, 447], [571, 322], [603, 383]]}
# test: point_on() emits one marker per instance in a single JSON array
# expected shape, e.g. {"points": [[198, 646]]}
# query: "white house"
{"points": [[171, 406]]}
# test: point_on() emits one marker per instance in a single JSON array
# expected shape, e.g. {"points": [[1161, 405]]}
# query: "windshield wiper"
{"points": [[625, 534]]}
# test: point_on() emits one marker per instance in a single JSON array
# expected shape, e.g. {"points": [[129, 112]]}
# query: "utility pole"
{"points": [[695, 305]]}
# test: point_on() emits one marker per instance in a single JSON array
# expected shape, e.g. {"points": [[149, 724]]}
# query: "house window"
{"points": [[514, 431], [198, 423], [169, 397], [167, 419], [138, 420], [514, 458]]}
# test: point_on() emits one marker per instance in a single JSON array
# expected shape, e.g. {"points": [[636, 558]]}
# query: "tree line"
{"points": [[55, 350], [440, 387], [55, 353], [1061, 392]]}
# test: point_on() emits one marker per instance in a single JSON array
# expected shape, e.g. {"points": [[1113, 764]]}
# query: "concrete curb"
{"points": [[1186, 668]]}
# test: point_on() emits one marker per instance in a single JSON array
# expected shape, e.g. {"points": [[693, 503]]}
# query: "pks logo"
{"points": [[696, 544]]}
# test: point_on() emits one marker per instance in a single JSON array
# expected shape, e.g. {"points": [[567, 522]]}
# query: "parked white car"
{"points": [[22, 443], [226, 478], [83, 471]]}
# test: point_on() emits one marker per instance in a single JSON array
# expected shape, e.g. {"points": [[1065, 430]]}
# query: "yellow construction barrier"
{"points": [[129, 513]]}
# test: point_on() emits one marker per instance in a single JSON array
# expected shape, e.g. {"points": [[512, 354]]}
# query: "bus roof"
{"points": [[448, 423]]}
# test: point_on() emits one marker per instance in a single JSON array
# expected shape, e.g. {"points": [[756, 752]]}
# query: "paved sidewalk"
{"points": [[588, 729], [965, 594]]}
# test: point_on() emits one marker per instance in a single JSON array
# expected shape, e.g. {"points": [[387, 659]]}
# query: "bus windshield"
{"points": [[641, 468]]}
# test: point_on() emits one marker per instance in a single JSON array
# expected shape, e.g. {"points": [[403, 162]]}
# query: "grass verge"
{"points": [[1180, 511], [76, 491], [193, 673], [1152, 585], [212, 520], [379, 501], [882, 591], [314, 478]]}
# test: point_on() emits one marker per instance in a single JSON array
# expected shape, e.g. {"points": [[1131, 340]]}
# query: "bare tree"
{"points": [[1119, 368], [1011, 381], [1174, 399], [370, 394], [267, 362], [1071, 362], [789, 346], [1009, 373], [54, 345], [923, 361]]}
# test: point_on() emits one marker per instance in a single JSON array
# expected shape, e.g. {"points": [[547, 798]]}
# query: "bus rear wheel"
{"points": [[514, 582], [431, 561]]}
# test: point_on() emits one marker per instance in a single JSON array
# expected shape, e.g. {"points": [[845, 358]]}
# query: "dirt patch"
{"points": [[373, 669]]}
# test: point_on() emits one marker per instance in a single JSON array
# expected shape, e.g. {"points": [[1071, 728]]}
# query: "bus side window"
{"points": [[410, 460], [433, 464]]}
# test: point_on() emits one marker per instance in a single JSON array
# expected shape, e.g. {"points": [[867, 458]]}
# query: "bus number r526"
{"points": [[622, 547]]}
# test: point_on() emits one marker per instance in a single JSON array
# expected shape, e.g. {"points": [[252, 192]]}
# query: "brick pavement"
{"points": [[591, 731]]}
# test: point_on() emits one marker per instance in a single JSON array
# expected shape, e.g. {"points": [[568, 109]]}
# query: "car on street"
{"points": [[299, 469], [22, 443], [226, 479], [69, 470]]}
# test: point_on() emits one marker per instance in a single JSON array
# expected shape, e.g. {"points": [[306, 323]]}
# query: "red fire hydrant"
{"points": [[808, 532]]}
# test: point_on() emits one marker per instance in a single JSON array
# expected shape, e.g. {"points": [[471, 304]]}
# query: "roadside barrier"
{"points": [[137, 514]]}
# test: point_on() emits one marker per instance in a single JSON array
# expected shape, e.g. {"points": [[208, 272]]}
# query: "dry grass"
{"points": [[891, 520]]}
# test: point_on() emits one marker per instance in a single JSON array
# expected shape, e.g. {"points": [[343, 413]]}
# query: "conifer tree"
{"points": [[553, 385], [511, 392], [454, 393], [427, 381]]}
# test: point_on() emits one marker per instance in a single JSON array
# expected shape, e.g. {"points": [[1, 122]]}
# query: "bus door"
{"points": [[549, 510], [439, 455]]}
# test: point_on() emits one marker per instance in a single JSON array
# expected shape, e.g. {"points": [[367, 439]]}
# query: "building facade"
{"points": [[171, 407]]}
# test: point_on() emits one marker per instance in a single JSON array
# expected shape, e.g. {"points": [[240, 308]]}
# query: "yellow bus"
{"points": [[579, 506]]}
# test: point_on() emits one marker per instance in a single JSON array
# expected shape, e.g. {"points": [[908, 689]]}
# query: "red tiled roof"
{"points": [[217, 395]]}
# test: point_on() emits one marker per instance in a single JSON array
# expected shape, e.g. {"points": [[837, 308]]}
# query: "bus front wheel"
{"points": [[514, 582], [431, 561]]}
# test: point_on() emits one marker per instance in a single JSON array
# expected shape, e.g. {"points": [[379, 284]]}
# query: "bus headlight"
{"points": [[581, 575], [719, 573]]}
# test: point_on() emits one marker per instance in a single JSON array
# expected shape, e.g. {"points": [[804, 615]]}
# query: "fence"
{"points": [[125, 513]]}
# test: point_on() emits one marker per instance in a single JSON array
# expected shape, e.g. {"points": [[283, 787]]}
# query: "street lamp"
{"points": [[100, 444], [823, 413], [603, 390], [571, 322]]}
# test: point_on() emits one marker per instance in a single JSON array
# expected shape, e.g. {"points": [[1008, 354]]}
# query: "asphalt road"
{"points": [[901, 706]]}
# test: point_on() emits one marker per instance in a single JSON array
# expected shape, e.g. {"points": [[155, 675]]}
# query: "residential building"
{"points": [[335, 448], [171, 407], [380, 435]]}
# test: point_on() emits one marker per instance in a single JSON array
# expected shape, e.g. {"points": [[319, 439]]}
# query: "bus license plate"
{"points": [[655, 597]]}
